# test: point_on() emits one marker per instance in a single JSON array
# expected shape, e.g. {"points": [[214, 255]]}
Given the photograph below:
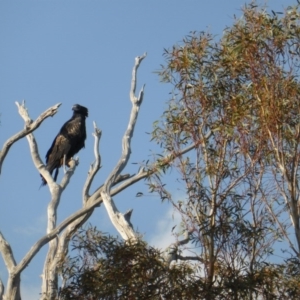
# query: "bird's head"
{"points": [[80, 110]]}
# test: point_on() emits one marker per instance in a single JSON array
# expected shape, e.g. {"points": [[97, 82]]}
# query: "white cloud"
{"points": [[163, 237]]}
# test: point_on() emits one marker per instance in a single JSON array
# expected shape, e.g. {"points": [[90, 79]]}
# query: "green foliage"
{"points": [[107, 268], [243, 87], [237, 101]]}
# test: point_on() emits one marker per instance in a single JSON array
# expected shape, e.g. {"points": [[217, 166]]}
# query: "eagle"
{"points": [[68, 141]]}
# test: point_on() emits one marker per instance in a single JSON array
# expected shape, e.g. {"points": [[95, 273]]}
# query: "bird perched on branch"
{"points": [[68, 142]]}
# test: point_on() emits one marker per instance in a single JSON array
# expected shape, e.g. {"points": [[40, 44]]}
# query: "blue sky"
{"points": [[83, 52]]}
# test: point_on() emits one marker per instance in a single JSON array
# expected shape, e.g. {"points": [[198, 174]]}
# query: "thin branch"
{"points": [[138, 60], [189, 258], [73, 163], [38, 162], [34, 150], [171, 252], [95, 167], [277, 221], [29, 127]]}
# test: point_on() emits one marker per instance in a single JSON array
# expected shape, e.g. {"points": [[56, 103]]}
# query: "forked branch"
{"points": [[30, 126]]}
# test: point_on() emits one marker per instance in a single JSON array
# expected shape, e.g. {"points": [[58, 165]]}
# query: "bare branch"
{"points": [[138, 60], [121, 224], [189, 258], [171, 252], [7, 254], [73, 163], [29, 127], [38, 162], [95, 167]]}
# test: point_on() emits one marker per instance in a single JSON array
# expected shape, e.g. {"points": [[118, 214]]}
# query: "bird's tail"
{"points": [[44, 182]]}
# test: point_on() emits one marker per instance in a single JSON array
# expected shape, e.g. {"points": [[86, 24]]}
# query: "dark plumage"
{"points": [[68, 142]]}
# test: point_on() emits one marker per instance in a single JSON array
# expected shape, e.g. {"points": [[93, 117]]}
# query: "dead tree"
{"points": [[58, 235]]}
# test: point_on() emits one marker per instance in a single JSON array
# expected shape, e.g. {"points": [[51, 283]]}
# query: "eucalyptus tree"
{"points": [[236, 100]]}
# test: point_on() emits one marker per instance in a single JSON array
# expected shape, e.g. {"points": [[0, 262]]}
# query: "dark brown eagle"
{"points": [[68, 142]]}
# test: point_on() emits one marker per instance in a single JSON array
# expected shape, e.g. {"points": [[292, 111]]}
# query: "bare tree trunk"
{"points": [[13, 284], [13, 288], [50, 277]]}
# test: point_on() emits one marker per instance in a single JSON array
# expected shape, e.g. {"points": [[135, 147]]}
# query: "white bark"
{"points": [[13, 284], [171, 253], [122, 224], [95, 167]]}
